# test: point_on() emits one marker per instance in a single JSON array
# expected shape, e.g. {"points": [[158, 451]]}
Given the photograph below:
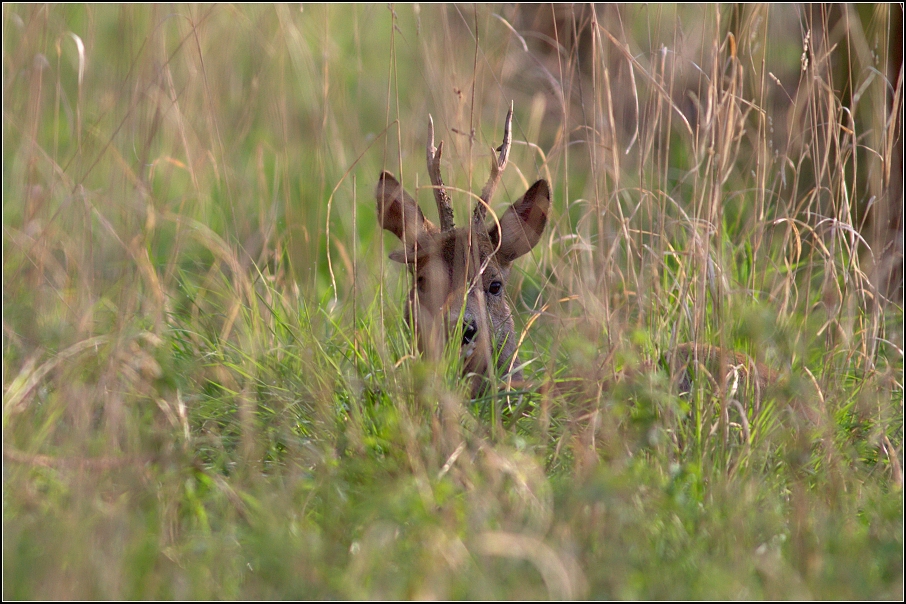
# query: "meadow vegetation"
{"points": [[209, 389]]}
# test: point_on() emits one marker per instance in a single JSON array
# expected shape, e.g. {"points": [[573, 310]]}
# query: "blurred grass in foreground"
{"points": [[209, 390]]}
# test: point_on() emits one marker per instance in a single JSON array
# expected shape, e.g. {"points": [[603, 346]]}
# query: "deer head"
{"points": [[460, 274]]}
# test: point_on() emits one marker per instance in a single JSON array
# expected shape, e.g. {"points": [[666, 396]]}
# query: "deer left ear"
{"points": [[522, 225]]}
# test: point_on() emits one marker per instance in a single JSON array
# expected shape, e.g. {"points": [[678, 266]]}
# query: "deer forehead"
{"points": [[457, 256]]}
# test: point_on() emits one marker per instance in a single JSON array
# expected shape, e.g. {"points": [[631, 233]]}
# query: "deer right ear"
{"points": [[398, 212]]}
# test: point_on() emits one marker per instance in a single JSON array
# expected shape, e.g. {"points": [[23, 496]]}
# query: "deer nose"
{"points": [[469, 331]]}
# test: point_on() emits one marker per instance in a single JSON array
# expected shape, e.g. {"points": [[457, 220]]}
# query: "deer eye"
{"points": [[420, 283], [495, 288]]}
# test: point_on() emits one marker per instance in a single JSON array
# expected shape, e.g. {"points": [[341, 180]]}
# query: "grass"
{"points": [[209, 390]]}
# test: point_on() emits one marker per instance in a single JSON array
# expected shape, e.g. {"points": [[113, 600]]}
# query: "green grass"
{"points": [[209, 390]]}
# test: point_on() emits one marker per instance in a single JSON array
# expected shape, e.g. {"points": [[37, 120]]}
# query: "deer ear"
{"points": [[402, 256], [522, 225], [398, 212]]}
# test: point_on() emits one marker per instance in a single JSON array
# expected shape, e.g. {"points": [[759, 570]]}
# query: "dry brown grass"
{"points": [[208, 388]]}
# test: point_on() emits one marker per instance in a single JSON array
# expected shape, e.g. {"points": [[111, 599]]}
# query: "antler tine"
{"points": [[444, 209], [498, 164]]}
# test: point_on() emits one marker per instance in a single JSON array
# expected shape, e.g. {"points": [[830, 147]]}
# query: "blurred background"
{"points": [[209, 388]]}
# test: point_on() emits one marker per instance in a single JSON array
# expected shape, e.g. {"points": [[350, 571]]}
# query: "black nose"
{"points": [[469, 331]]}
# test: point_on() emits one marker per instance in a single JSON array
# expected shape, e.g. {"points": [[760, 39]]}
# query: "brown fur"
{"points": [[460, 275]]}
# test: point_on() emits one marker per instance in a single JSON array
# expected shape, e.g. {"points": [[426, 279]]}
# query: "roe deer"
{"points": [[460, 274]]}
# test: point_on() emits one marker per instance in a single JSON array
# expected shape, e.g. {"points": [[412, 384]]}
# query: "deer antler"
{"points": [[498, 165], [444, 209]]}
